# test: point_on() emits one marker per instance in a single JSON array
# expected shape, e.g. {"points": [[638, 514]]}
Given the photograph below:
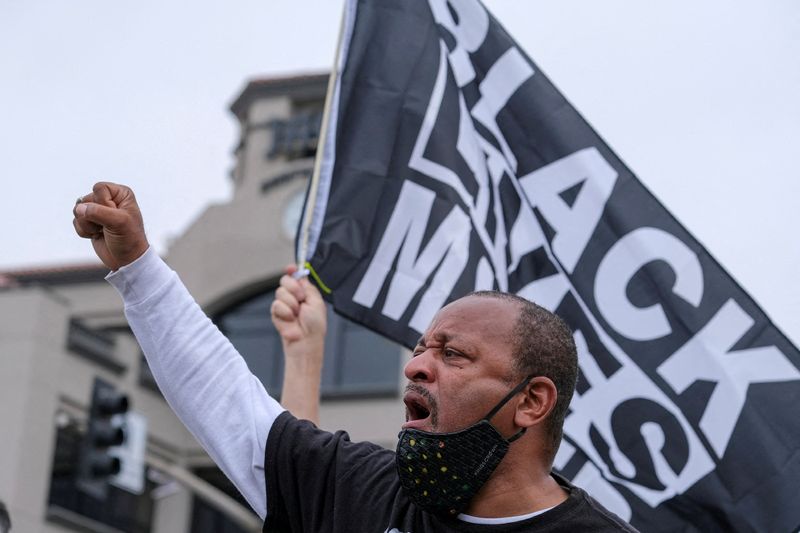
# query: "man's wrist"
{"points": [[137, 280], [305, 356], [136, 252]]}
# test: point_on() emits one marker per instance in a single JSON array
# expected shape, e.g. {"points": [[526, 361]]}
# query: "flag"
{"points": [[451, 164]]}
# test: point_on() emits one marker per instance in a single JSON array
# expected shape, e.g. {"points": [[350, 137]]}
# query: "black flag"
{"points": [[453, 164]]}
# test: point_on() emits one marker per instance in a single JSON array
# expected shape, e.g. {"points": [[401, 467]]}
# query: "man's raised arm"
{"points": [[299, 315], [202, 376]]}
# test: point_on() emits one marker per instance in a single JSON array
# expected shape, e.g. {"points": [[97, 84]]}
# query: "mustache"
{"points": [[433, 405]]}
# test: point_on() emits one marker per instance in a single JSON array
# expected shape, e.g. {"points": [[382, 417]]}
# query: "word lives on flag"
{"points": [[452, 164]]}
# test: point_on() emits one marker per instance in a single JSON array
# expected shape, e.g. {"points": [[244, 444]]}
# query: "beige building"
{"points": [[61, 328]]}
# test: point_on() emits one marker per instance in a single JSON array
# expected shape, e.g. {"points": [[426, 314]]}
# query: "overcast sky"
{"points": [[699, 98]]}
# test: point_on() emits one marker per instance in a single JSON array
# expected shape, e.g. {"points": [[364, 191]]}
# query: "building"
{"points": [[63, 327]]}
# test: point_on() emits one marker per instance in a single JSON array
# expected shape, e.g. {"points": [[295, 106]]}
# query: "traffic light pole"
{"points": [[99, 461]]}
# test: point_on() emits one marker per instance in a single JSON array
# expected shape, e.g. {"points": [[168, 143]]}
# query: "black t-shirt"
{"points": [[321, 482]]}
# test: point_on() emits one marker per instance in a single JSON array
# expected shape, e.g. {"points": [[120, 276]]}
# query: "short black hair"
{"points": [[543, 346]]}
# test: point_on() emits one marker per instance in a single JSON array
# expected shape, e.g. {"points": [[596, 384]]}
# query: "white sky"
{"points": [[699, 98]]}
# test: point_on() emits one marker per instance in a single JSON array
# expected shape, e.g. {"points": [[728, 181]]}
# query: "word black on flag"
{"points": [[471, 171]]}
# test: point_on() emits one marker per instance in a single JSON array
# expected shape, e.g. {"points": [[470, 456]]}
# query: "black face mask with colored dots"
{"points": [[441, 472]]}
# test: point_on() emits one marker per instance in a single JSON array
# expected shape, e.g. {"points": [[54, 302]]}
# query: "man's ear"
{"points": [[536, 403]]}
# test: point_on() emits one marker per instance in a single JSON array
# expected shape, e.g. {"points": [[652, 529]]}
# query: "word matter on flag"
{"points": [[471, 171]]}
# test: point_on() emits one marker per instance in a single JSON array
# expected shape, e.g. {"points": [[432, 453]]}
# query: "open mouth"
{"points": [[417, 407]]}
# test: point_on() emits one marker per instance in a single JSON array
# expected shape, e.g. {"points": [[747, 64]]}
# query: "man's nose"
{"points": [[419, 368]]}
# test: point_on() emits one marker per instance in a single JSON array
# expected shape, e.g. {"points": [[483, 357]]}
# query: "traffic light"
{"points": [[96, 464]]}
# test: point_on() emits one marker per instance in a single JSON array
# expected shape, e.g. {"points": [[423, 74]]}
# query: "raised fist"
{"points": [[110, 217]]}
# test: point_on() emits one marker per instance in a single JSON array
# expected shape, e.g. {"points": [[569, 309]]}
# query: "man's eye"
{"points": [[450, 353]]}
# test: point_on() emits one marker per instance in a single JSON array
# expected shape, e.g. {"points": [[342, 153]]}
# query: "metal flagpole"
{"points": [[308, 213]]}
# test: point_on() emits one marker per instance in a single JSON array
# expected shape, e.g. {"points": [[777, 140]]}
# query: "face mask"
{"points": [[441, 472]]}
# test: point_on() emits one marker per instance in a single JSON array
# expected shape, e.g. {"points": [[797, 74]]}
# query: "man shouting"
{"points": [[489, 386]]}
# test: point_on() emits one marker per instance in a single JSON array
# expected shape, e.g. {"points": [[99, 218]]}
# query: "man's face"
{"points": [[462, 366]]}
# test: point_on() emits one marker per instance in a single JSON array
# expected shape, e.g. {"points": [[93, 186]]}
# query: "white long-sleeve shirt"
{"points": [[202, 376]]}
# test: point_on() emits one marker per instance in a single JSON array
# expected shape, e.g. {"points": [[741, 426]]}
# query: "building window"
{"points": [[121, 510], [297, 136], [93, 344], [358, 362]]}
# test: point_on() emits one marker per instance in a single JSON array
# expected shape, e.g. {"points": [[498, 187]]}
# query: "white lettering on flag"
{"points": [[628, 255], [469, 33], [708, 356], [591, 480], [593, 410], [497, 88], [484, 277], [504, 79], [548, 291], [574, 225], [449, 246]]}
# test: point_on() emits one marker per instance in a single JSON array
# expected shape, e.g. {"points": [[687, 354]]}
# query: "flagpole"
{"points": [[308, 213]]}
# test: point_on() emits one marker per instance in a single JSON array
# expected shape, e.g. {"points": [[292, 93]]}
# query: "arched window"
{"points": [[358, 362]]}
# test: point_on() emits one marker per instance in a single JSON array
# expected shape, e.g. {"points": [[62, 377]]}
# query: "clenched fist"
{"points": [[300, 316], [298, 311], [110, 217]]}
